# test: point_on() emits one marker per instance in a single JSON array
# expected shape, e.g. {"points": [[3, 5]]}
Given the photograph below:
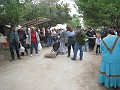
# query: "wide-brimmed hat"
{"points": [[18, 27], [34, 28], [8, 26]]}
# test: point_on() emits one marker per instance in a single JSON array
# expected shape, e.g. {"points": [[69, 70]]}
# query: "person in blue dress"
{"points": [[109, 74]]}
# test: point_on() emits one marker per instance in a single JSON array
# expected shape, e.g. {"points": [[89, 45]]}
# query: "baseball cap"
{"points": [[78, 26]]}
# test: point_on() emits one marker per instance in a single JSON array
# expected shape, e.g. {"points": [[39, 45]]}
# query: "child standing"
{"points": [[98, 40]]}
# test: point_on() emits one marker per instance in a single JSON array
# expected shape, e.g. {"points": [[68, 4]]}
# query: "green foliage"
{"points": [[100, 12], [74, 21], [80, 37], [13, 11]]}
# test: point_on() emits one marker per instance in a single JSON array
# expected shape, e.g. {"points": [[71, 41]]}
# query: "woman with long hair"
{"points": [[70, 34]]}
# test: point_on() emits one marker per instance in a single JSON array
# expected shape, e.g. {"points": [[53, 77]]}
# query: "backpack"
{"points": [[71, 40], [80, 37], [56, 46]]}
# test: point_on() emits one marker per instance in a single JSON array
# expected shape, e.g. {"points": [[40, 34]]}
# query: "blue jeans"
{"points": [[54, 38], [35, 45], [13, 45], [49, 41], [85, 47], [76, 47]]}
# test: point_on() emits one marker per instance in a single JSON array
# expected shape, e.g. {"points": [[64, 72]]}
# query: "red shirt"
{"points": [[33, 37]]}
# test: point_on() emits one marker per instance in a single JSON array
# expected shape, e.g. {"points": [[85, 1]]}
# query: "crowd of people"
{"points": [[32, 36], [77, 39]]}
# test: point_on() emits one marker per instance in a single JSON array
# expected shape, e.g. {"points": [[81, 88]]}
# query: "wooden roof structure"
{"points": [[35, 21]]}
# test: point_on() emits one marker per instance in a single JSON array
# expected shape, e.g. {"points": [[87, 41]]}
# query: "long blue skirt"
{"points": [[109, 74]]}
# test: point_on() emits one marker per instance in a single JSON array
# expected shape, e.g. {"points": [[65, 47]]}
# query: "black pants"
{"points": [[91, 44], [69, 48], [11, 47], [25, 46], [98, 49]]}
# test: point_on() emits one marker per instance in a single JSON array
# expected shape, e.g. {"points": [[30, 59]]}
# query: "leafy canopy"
{"points": [[100, 12], [15, 12]]}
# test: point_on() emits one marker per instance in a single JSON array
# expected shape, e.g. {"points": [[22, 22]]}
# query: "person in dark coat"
{"points": [[13, 39], [22, 38], [91, 38], [48, 37]]}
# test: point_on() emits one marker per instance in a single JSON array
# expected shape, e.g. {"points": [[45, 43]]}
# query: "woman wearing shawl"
{"points": [[109, 74], [63, 40]]}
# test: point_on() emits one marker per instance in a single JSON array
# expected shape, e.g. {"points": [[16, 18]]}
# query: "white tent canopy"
{"points": [[59, 26]]}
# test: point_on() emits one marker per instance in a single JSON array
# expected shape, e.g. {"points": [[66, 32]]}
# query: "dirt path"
{"points": [[38, 73]]}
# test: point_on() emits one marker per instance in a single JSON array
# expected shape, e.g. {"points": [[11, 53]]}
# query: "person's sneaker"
{"points": [[19, 58], [73, 59], [31, 55], [22, 54], [12, 59], [27, 54], [68, 56], [36, 54], [115, 87]]}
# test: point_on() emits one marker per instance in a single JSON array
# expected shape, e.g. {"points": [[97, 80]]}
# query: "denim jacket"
{"points": [[12, 35]]}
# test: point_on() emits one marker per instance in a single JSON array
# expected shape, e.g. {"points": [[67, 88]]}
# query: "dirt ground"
{"points": [[39, 73]]}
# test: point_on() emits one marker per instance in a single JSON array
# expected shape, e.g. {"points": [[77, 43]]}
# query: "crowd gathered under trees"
{"points": [[78, 39], [32, 37], [95, 13]]}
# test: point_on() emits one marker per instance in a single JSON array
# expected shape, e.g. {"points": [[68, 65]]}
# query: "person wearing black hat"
{"points": [[77, 28]]}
